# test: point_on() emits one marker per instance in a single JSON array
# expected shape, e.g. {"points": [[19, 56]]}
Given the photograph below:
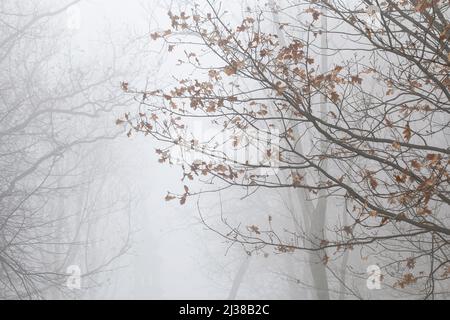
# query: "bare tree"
{"points": [[50, 122], [364, 123]]}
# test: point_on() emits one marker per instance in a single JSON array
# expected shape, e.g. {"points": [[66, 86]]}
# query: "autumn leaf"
{"points": [[424, 211], [229, 70], [280, 88], [169, 197], [213, 74], [416, 165], [434, 157], [373, 182], [427, 183], [334, 97], [356, 79], [262, 112], [396, 145], [410, 263], [389, 123], [155, 36], [233, 67], [406, 280], [407, 133], [324, 243], [297, 180], [338, 69], [285, 249], [315, 13], [348, 230], [422, 5], [373, 213], [384, 220], [254, 229], [124, 85]]}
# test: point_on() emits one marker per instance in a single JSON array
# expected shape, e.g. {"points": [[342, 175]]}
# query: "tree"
{"points": [[367, 130], [50, 113]]}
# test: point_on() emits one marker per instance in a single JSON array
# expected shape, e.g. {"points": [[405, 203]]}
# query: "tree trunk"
{"points": [[313, 218], [238, 278]]}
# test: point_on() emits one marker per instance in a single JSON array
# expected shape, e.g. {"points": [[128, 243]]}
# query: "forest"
{"points": [[208, 149]]}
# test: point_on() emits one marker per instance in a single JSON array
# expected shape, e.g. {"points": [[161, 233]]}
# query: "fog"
{"points": [[92, 209], [168, 257]]}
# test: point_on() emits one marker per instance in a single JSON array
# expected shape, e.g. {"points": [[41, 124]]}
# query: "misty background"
{"points": [[80, 192], [102, 201]]}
